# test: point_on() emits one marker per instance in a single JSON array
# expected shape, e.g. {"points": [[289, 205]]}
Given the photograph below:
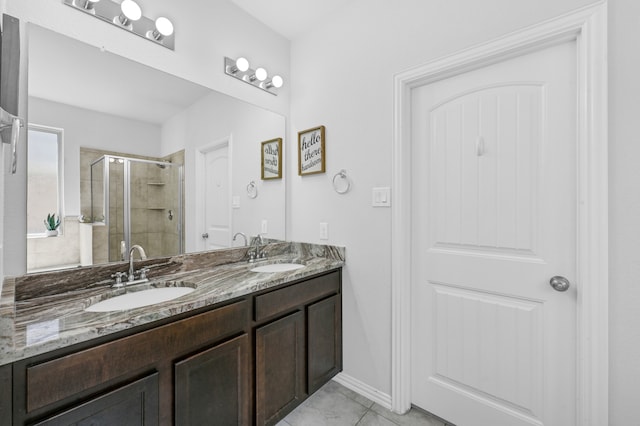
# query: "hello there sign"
{"points": [[311, 151], [272, 159]]}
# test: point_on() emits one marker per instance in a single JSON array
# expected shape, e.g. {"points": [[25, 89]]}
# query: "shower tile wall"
{"points": [[153, 193]]}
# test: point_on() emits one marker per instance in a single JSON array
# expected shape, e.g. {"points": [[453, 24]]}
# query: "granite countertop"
{"points": [[33, 322]]}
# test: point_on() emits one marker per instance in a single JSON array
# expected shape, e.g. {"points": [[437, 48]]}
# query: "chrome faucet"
{"points": [[131, 276], [242, 235], [258, 251], [143, 256]]}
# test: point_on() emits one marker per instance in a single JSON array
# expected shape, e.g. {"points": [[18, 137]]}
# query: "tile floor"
{"points": [[336, 405]]}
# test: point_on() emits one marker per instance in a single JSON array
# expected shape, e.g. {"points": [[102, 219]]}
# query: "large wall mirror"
{"points": [[125, 154]]}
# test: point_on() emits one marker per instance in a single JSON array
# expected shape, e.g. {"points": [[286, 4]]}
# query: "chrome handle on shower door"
{"points": [[15, 135]]}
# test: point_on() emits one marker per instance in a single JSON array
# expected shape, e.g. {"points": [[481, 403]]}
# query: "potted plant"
{"points": [[52, 224]]}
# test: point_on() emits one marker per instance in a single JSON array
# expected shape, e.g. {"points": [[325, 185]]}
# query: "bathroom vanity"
{"points": [[243, 348]]}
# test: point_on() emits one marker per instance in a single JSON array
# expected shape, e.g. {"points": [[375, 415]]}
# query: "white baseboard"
{"points": [[364, 389]]}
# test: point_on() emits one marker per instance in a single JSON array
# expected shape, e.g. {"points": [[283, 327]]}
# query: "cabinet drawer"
{"points": [[283, 300], [63, 377]]}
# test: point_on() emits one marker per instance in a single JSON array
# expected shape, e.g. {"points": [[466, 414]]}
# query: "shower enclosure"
{"points": [[139, 202]]}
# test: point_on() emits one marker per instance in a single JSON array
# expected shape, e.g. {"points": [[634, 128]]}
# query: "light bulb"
{"points": [[242, 64], [277, 81], [131, 10], [164, 26], [261, 74]]}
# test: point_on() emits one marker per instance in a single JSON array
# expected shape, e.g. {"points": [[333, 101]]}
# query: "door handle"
{"points": [[205, 235], [559, 283]]}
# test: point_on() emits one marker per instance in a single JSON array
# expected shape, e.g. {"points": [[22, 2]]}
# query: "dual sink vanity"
{"points": [[244, 345], [138, 296]]}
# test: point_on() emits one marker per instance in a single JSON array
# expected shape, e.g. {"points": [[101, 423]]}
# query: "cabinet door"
{"points": [[280, 368], [135, 404], [324, 337], [212, 386], [6, 395]]}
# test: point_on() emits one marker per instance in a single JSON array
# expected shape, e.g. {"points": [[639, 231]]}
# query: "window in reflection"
{"points": [[44, 177]]}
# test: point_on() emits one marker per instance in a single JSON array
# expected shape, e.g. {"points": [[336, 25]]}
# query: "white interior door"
{"points": [[493, 220], [217, 200]]}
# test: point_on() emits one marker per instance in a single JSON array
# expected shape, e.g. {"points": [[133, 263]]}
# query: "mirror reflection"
{"points": [[138, 156]]}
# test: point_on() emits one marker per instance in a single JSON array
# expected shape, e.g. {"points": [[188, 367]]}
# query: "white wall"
{"points": [[624, 211], [91, 129], [209, 120], [343, 78]]}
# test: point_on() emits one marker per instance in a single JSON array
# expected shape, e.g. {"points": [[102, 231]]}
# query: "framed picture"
{"points": [[272, 159], [311, 151]]}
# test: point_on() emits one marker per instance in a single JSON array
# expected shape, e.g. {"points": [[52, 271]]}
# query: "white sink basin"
{"points": [[277, 267], [138, 299]]}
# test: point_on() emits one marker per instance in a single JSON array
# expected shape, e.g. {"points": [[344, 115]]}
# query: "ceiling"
{"points": [[290, 18]]}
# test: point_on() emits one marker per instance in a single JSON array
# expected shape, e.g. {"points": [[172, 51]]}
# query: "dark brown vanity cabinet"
{"points": [[251, 361], [131, 380], [134, 404], [324, 340], [298, 339], [212, 386], [6, 398], [280, 368]]}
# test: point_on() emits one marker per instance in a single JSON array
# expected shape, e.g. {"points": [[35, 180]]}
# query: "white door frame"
{"points": [[588, 28], [200, 188]]}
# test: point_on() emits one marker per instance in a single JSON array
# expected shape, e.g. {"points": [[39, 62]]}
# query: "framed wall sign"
{"points": [[311, 151], [272, 159]]}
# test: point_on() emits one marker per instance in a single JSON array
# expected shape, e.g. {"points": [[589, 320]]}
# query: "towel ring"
{"points": [[341, 182], [252, 190]]}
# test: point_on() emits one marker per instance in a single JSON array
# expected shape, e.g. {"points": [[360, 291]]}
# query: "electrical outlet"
{"points": [[324, 231], [263, 228]]}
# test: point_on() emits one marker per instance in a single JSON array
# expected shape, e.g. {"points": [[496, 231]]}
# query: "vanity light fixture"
{"points": [[259, 77], [128, 16]]}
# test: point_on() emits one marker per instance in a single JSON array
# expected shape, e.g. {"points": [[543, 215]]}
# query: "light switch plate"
{"points": [[263, 227], [381, 197], [235, 202]]}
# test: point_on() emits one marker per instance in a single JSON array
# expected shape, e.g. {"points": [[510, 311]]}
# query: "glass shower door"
{"points": [[138, 202], [117, 207], [107, 208]]}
